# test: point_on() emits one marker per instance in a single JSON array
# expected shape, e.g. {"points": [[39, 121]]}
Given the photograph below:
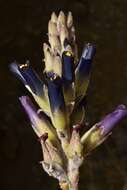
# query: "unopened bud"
{"points": [[61, 20], [54, 17], [63, 35], [57, 66], [75, 147], [52, 28], [69, 20], [48, 58], [55, 44]]}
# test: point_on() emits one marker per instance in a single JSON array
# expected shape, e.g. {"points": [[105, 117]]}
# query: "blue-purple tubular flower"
{"points": [[30, 109], [39, 120], [33, 83], [112, 119], [68, 77], [55, 94], [101, 130], [67, 66], [28, 76], [84, 65], [57, 103], [82, 72]]}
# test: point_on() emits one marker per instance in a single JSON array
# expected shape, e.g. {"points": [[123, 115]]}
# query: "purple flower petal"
{"points": [[30, 109], [57, 104], [39, 120], [112, 119], [101, 130], [83, 70], [55, 94], [28, 76], [67, 67]]}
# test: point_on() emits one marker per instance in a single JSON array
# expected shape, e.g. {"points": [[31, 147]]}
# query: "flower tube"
{"points": [[101, 130], [58, 110], [57, 103], [82, 73], [68, 78], [33, 83], [39, 120]]}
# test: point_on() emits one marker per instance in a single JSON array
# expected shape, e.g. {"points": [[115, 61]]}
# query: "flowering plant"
{"points": [[60, 114]]}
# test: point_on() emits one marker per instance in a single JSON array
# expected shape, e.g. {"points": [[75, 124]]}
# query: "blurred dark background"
{"points": [[23, 28]]}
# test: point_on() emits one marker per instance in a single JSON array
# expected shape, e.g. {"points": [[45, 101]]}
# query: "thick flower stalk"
{"points": [[61, 113]]}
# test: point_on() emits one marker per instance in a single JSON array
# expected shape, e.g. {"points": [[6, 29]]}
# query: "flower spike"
{"points": [[61, 97]]}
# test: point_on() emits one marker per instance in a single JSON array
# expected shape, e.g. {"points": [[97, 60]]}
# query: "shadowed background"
{"points": [[23, 28]]}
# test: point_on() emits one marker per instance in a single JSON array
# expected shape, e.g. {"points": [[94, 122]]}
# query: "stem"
{"points": [[64, 186], [73, 173], [74, 179]]}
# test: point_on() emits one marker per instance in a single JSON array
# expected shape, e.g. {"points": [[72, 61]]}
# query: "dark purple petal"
{"points": [[112, 119], [15, 69], [28, 76], [84, 67], [39, 121], [67, 66], [57, 104], [30, 109], [55, 94], [83, 70]]}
